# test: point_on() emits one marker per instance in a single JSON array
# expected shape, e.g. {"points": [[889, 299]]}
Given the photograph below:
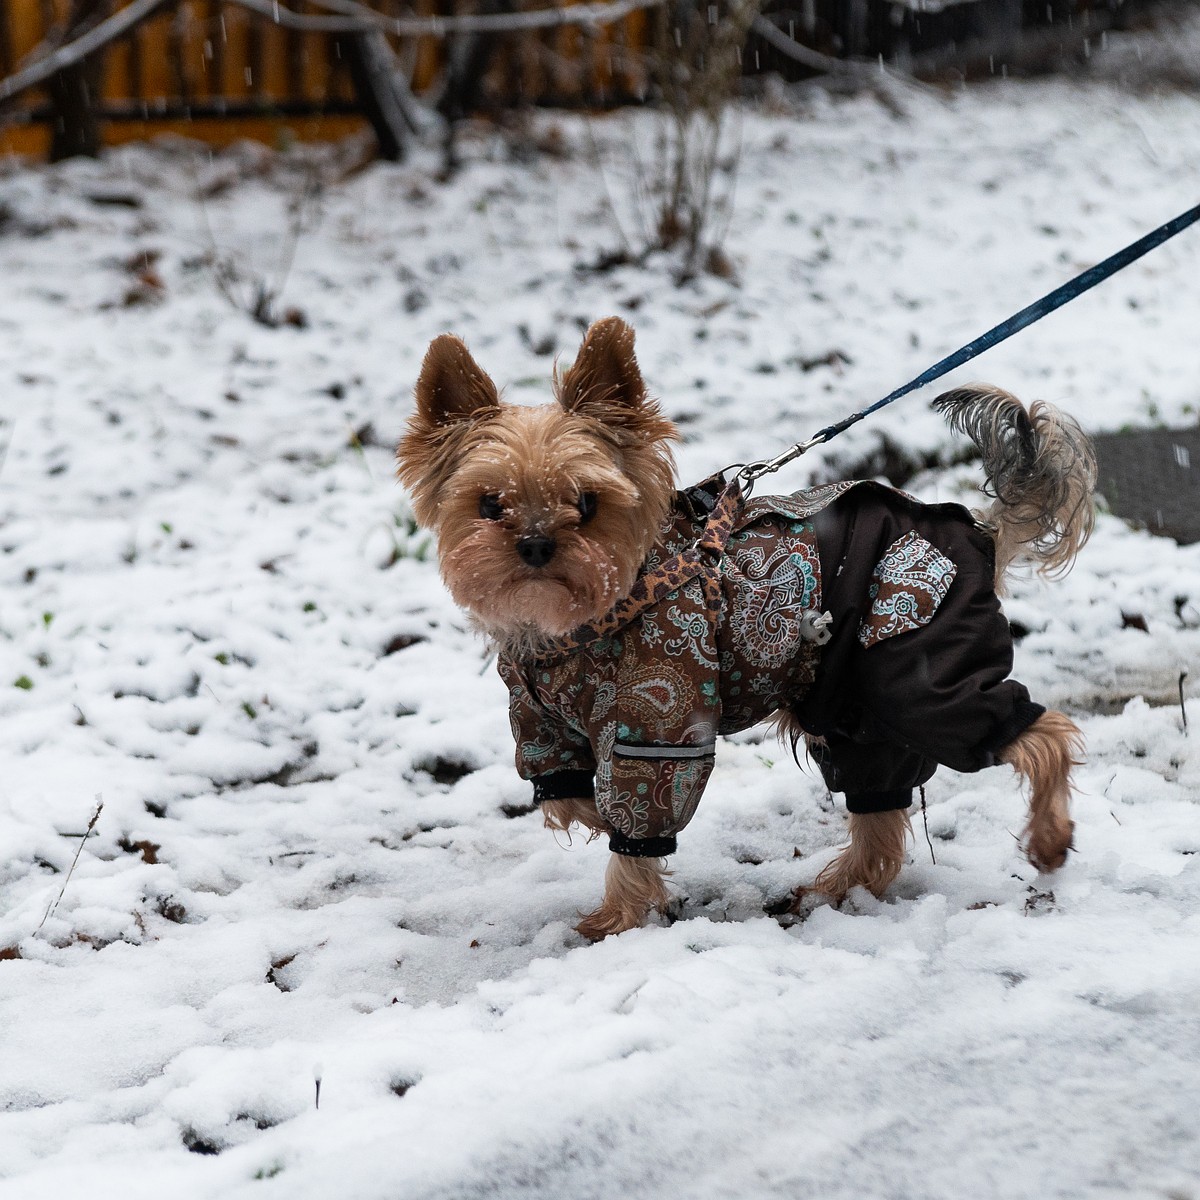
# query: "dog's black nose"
{"points": [[536, 551]]}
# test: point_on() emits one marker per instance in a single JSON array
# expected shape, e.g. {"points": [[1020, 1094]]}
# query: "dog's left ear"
{"points": [[604, 381]]}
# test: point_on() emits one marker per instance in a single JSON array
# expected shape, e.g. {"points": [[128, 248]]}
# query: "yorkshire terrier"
{"points": [[635, 622]]}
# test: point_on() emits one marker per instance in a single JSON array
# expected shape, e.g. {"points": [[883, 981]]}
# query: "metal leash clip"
{"points": [[766, 466]]}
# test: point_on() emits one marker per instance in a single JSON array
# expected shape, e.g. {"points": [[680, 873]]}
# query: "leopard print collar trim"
{"points": [[655, 585]]}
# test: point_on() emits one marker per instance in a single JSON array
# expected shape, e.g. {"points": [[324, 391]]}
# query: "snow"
{"points": [[314, 858]]}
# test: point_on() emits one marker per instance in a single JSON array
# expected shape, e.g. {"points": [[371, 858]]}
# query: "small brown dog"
{"points": [[635, 622]]}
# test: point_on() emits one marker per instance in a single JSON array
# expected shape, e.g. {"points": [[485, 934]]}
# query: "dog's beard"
{"points": [[518, 604]]}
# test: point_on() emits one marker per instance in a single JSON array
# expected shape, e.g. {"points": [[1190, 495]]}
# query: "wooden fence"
{"points": [[214, 70]]}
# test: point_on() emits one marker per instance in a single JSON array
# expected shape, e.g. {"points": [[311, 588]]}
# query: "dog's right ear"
{"points": [[452, 386], [452, 393]]}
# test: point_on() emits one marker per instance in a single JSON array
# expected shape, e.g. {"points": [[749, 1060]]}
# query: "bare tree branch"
{"points": [[847, 68], [806, 57], [358, 17], [67, 56]]}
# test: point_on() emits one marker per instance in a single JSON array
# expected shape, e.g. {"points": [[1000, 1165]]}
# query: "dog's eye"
{"points": [[490, 507], [587, 507]]}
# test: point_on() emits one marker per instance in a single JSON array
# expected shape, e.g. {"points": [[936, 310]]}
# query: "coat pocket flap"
{"points": [[655, 788], [909, 583]]}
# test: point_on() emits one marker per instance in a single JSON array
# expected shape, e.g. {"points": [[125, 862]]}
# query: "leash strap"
{"points": [[1018, 321]]}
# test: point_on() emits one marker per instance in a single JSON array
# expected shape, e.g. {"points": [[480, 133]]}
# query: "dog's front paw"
{"points": [[632, 888], [1048, 845], [598, 925]]}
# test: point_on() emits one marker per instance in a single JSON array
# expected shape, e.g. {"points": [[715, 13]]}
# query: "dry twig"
{"points": [[74, 862]]}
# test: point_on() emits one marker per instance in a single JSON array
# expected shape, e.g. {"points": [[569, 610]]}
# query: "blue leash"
{"points": [[1018, 321]]}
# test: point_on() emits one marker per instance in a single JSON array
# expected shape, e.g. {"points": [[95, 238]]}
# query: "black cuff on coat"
{"points": [[651, 847], [877, 802], [1025, 712], [564, 785]]}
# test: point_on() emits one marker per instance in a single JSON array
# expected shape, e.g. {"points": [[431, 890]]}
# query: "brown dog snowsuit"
{"points": [[822, 603]]}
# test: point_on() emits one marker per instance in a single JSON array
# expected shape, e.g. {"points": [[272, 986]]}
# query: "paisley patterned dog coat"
{"points": [[821, 603]]}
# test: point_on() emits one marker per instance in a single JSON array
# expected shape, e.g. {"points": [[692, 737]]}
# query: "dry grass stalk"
{"points": [[696, 66], [87, 833]]}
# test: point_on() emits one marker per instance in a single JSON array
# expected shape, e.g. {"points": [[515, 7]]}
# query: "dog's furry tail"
{"points": [[1040, 469]]}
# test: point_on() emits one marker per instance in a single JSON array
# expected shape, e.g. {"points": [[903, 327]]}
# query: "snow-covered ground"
{"points": [[314, 858]]}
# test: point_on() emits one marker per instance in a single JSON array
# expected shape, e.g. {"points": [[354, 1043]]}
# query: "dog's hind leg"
{"points": [[632, 887], [872, 860], [1044, 754]]}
